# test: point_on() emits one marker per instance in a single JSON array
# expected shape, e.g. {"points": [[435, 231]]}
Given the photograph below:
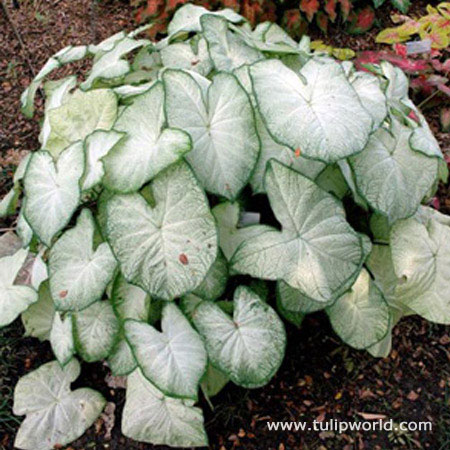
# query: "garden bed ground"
{"points": [[320, 379]]}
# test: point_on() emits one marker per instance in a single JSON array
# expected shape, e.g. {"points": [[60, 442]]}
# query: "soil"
{"points": [[321, 378]]}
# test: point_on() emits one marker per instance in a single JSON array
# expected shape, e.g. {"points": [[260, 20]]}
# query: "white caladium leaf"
{"points": [[21, 168], [147, 59], [97, 145], [422, 139], [174, 360], [305, 254], [225, 142], [227, 50], [215, 281], [127, 90], [56, 93], [368, 88], [64, 56], [161, 420], [187, 19], [14, 299], [249, 347], [390, 175], [79, 273], [184, 55], [80, 115], [53, 190], [421, 258], [148, 147], [96, 331], [61, 338], [55, 415], [227, 215], [111, 64], [23, 228], [397, 83], [322, 113], [39, 272], [381, 267], [129, 302], [121, 359], [107, 44], [167, 250], [274, 44], [361, 316], [38, 318], [274, 34], [383, 348]]}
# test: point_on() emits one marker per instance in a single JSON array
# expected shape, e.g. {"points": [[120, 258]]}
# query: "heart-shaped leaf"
{"points": [[97, 145], [227, 50], [78, 273], [129, 302], [148, 148], [225, 143], [249, 347], [112, 64], [55, 415], [187, 19], [174, 359], [420, 254], [162, 420], [186, 55], [96, 331], [166, 250], [80, 115], [390, 175], [52, 190], [316, 252], [361, 316], [322, 113]]}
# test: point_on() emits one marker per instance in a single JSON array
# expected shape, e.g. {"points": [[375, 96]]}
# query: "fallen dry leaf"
{"points": [[412, 396], [371, 416]]}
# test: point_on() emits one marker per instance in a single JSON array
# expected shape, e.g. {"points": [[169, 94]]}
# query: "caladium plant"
{"points": [[135, 248]]}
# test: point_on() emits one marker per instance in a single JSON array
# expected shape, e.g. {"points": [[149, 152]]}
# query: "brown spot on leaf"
{"points": [[63, 294], [183, 259]]}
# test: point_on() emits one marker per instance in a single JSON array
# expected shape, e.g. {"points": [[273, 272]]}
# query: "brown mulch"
{"points": [[321, 378]]}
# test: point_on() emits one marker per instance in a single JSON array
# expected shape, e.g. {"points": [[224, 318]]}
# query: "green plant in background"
{"points": [[132, 228], [428, 67], [434, 26]]}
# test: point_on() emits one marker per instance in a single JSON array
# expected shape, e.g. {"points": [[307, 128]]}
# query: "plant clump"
{"points": [[192, 194]]}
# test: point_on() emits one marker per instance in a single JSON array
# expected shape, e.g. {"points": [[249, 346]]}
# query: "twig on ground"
{"points": [[19, 38]]}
